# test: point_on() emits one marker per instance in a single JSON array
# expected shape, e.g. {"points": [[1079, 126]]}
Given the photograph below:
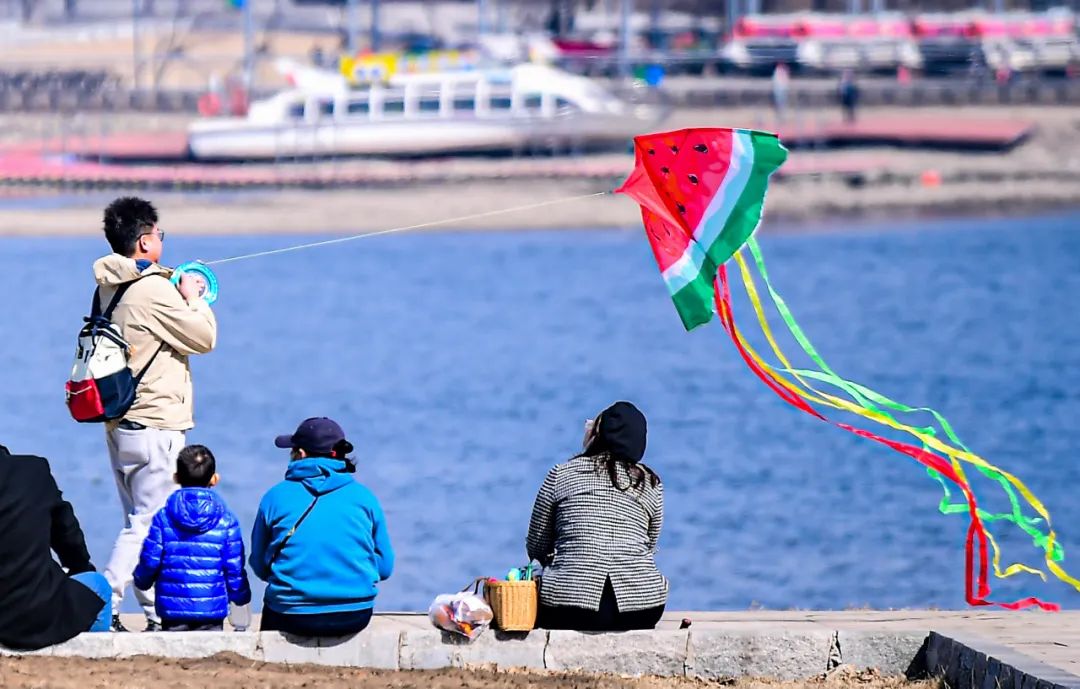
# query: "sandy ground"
{"points": [[1040, 174], [509, 206], [234, 672]]}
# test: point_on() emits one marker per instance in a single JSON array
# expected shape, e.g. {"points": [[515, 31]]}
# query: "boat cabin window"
{"points": [[360, 107], [393, 107], [464, 104], [563, 105], [533, 102], [501, 102], [296, 111], [430, 105], [326, 108]]}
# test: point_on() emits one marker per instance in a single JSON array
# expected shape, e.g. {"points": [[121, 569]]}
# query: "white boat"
{"points": [[509, 109]]}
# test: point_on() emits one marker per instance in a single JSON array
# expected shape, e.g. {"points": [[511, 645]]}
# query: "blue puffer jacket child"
{"points": [[336, 557], [194, 554]]}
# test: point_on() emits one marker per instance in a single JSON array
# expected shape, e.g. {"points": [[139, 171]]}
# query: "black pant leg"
{"points": [[340, 624], [639, 619], [563, 617], [318, 625], [582, 619], [607, 617], [271, 621], [615, 621], [175, 626]]}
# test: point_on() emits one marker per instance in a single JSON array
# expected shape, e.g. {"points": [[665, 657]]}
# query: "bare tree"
{"points": [[29, 9]]}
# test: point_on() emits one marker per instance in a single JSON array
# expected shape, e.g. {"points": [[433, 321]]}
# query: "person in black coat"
{"points": [[40, 604]]}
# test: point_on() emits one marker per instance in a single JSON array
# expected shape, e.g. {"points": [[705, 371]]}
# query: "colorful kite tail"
{"points": [[977, 588]]}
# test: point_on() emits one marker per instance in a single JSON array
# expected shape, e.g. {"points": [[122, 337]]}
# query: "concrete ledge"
{"points": [[992, 666], [783, 654], [783, 649], [891, 653], [432, 649], [628, 653], [708, 654], [373, 648]]}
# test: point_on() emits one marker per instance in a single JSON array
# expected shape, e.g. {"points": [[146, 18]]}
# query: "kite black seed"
{"points": [[701, 148], [652, 152], [674, 149], [664, 170], [693, 179], [682, 208]]}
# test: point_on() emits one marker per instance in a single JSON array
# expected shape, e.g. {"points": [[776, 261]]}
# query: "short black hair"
{"points": [[195, 466], [126, 219]]}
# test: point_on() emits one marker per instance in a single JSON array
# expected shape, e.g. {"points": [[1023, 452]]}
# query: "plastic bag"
{"points": [[462, 613]]}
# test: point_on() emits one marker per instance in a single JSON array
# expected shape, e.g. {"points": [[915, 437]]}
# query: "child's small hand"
{"points": [[240, 617]]}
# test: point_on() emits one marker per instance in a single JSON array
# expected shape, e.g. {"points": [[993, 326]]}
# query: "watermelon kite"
{"points": [[702, 192]]}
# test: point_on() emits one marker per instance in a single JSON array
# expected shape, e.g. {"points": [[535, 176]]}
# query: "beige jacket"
{"points": [[150, 313]]}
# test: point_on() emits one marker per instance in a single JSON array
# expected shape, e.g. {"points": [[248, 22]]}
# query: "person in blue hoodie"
{"points": [[320, 539], [194, 551]]}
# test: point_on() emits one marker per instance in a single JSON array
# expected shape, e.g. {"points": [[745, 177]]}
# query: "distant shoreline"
{"points": [[791, 207], [1038, 175]]}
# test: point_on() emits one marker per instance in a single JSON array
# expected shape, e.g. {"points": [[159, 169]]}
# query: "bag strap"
{"points": [[113, 303], [95, 305], [139, 377], [96, 312], [474, 585], [281, 545]]}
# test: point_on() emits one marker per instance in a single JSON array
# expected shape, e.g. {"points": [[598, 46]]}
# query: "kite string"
{"points": [[406, 228]]}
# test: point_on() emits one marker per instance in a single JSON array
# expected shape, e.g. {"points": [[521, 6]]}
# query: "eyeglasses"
{"points": [[160, 233]]}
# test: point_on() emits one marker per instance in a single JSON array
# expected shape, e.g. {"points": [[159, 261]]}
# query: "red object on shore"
{"points": [[209, 105], [238, 101], [581, 48], [935, 131]]}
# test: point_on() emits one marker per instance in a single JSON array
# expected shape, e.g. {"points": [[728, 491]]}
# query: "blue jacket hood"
{"points": [[334, 560], [195, 510], [320, 475]]}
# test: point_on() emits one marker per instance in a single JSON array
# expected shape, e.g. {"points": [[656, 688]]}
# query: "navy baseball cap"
{"points": [[318, 434]]}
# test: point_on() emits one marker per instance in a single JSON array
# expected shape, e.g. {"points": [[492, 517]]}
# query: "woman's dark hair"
{"points": [[638, 472], [340, 451], [619, 439], [127, 219]]}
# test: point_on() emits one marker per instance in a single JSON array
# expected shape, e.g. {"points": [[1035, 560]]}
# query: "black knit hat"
{"points": [[621, 432]]}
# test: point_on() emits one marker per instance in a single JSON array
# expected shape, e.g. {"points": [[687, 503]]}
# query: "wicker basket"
{"points": [[514, 604]]}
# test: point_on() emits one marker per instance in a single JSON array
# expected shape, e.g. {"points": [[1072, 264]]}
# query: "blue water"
{"points": [[463, 366]]}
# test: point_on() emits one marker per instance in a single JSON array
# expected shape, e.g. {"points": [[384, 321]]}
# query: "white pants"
{"points": [[143, 464]]}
